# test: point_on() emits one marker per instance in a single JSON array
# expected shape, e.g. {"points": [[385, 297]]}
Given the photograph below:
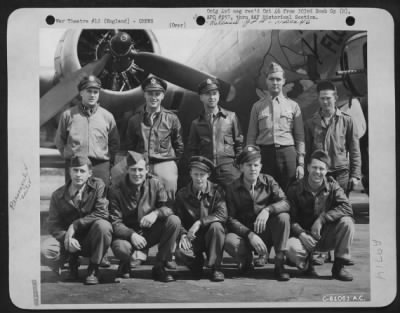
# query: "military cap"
{"points": [[274, 68], [154, 84], [325, 85], [80, 160], [201, 163], [322, 156], [90, 81], [207, 85], [134, 157], [249, 153]]}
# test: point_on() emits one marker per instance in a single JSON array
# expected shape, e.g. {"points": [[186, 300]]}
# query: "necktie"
{"points": [[203, 208]]}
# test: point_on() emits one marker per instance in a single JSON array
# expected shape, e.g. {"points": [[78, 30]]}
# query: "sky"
{"points": [[175, 44]]}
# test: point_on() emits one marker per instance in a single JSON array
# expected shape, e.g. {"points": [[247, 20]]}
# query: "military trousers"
{"points": [[167, 171], [162, 232], [276, 235], [280, 163], [94, 244], [225, 174], [338, 236]]}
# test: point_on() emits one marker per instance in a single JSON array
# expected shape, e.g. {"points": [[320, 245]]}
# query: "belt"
{"points": [[277, 146]]}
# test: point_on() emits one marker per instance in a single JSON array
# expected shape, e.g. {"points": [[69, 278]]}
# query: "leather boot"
{"points": [[245, 264], [159, 273], [92, 277], [339, 272], [217, 275], [73, 263], [280, 271], [124, 270]]}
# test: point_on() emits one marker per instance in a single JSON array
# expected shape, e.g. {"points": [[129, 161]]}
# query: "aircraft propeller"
{"points": [[128, 67]]}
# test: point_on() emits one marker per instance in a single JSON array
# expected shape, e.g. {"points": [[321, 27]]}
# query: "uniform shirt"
{"points": [[208, 207], [329, 203], [337, 139], [88, 132], [128, 204], [220, 140], [243, 207], [159, 136], [276, 121], [63, 211]]}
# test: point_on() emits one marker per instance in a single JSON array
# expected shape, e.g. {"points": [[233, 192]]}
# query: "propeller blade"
{"points": [[66, 90], [178, 73]]}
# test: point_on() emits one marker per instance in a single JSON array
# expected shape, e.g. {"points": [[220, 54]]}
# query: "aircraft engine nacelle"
{"points": [[353, 64], [121, 76], [80, 47]]}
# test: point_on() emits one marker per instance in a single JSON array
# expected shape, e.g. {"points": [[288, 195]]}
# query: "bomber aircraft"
{"points": [[237, 58]]}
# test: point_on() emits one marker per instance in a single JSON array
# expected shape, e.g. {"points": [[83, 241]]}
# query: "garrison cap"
{"points": [[274, 68], [322, 156], [207, 85], [90, 81], [201, 163], [80, 160], [326, 85], [154, 84], [134, 157], [249, 153]]}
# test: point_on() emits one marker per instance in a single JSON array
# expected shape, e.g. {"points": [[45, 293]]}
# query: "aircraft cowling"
{"points": [[353, 65], [120, 78]]}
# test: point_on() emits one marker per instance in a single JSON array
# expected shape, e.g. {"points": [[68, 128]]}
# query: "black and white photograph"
{"points": [[208, 166]]}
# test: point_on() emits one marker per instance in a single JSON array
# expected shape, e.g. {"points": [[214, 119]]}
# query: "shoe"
{"points": [[124, 270], [339, 272], [160, 274], [348, 262], [171, 265], [93, 274], [105, 262], [280, 273], [73, 263], [135, 263], [318, 259], [194, 264], [217, 276], [246, 264], [260, 261]]}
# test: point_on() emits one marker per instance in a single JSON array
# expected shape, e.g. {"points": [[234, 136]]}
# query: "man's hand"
{"points": [[193, 230], [185, 243], [299, 172], [260, 223], [316, 229], [138, 241], [308, 241], [257, 243], [148, 220], [71, 244], [350, 185]]}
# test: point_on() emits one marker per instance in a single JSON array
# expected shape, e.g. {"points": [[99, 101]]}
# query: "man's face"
{"points": [[251, 170], [80, 175], [210, 99], [317, 171], [275, 82], [199, 178], [153, 99], [137, 173], [90, 96], [327, 101]]}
